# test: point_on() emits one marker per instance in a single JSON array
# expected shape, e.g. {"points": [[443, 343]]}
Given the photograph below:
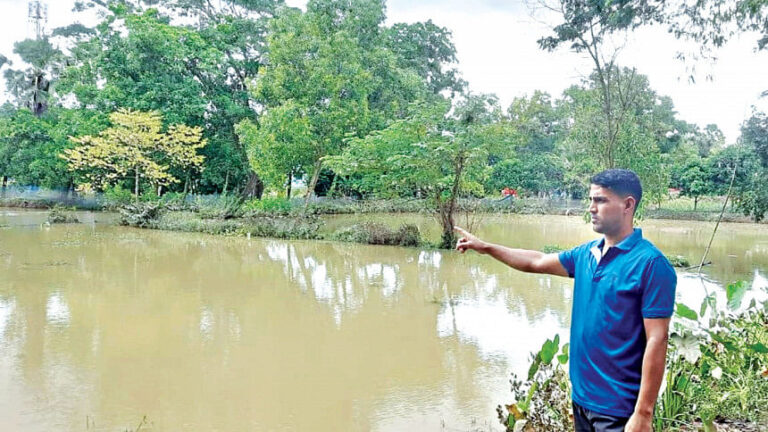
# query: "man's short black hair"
{"points": [[622, 182]]}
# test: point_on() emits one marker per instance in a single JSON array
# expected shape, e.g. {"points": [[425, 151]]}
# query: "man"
{"points": [[624, 292]]}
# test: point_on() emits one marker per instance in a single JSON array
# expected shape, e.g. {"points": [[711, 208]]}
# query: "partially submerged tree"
{"points": [[431, 153], [135, 146]]}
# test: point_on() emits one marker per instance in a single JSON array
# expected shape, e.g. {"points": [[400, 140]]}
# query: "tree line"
{"points": [[335, 97]]}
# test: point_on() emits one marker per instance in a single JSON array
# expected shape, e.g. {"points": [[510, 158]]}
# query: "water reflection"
{"points": [[203, 333]]}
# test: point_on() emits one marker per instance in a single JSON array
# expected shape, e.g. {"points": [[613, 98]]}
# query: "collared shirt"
{"points": [[613, 293]]}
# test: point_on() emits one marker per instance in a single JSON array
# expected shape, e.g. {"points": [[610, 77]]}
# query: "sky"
{"points": [[497, 53]]}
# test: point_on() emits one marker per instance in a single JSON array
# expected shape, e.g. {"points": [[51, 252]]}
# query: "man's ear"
{"points": [[630, 203]]}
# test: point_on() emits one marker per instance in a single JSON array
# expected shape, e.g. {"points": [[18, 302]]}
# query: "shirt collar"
{"points": [[627, 243]]}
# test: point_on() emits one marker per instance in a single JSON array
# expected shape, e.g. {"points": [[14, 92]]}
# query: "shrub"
{"points": [[117, 195], [268, 205], [379, 234], [60, 214], [543, 400], [141, 215]]}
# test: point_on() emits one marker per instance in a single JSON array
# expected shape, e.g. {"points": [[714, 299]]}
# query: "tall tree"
{"points": [[427, 49], [199, 72], [330, 69], [587, 27], [135, 146], [31, 87]]}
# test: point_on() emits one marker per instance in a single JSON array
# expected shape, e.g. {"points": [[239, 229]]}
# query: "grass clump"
{"points": [[61, 214], [292, 228], [379, 234]]}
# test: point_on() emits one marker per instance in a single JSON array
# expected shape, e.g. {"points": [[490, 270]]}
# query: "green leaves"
{"points": [[547, 353], [686, 312], [735, 294], [687, 345], [549, 349], [709, 301]]}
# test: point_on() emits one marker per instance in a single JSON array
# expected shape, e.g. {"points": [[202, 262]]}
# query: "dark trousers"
{"points": [[585, 420]]}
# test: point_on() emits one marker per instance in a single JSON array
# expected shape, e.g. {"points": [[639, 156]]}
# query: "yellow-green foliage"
{"points": [[135, 146]]}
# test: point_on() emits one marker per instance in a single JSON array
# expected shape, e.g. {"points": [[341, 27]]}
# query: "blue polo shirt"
{"points": [[612, 293]]}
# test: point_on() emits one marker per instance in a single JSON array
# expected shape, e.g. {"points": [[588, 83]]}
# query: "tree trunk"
{"points": [[448, 208], [226, 184], [254, 187], [695, 202], [186, 186], [288, 186], [315, 178], [5, 186], [136, 185]]}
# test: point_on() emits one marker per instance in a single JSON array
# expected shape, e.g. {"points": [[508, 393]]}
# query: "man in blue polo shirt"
{"points": [[624, 293]]}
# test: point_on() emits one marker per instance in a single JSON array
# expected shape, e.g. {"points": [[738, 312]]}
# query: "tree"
{"points": [[752, 188], [196, 75], [32, 87], [695, 181], [635, 144], [587, 26], [280, 146], [135, 145], [428, 50], [713, 23], [429, 153], [30, 145], [329, 69]]}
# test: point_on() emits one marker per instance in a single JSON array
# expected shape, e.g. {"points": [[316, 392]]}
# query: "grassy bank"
{"points": [[292, 227], [677, 208]]}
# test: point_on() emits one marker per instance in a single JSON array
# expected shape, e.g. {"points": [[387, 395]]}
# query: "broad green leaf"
{"points": [[759, 347], [549, 349], [687, 346], [563, 358], [534, 367], [735, 293], [686, 312]]}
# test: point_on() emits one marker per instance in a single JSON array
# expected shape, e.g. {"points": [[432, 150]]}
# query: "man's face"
{"points": [[608, 210]]}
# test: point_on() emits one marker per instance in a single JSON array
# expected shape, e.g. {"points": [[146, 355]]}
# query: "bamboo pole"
{"points": [[728, 195]]}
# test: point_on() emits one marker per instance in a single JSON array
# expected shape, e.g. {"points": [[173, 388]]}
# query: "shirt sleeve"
{"points": [[660, 282], [568, 260]]}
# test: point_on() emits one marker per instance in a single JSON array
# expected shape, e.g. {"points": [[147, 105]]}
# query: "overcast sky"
{"points": [[497, 51]]}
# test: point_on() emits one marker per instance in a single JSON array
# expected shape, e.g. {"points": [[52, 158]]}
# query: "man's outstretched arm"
{"points": [[521, 259]]}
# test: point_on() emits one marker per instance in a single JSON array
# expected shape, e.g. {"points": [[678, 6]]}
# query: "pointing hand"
{"points": [[468, 241]]}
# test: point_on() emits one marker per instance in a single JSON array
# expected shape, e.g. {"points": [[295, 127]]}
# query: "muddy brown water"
{"points": [[102, 326]]}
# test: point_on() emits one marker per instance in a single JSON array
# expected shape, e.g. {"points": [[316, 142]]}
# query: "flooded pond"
{"points": [[101, 325]]}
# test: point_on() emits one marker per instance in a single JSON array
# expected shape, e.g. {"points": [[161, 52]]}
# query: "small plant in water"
{"points": [[62, 214]]}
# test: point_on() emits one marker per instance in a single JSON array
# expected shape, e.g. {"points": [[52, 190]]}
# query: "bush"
{"points": [[116, 196], [60, 214], [218, 206], [268, 205], [543, 400], [303, 228], [141, 215], [379, 234]]}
